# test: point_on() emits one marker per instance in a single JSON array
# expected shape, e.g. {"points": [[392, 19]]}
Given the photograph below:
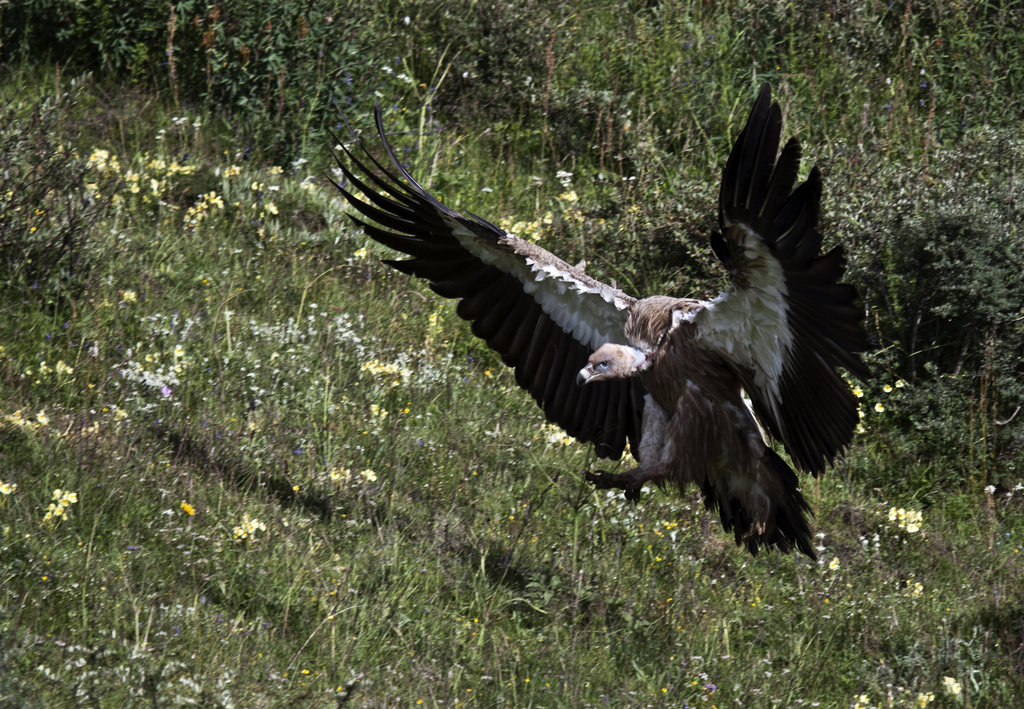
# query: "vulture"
{"points": [[666, 378]]}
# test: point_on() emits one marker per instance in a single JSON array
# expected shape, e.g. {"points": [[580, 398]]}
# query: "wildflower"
{"points": [[900, 383], [887, 388], [924, 699], [247, 529], [42, 418], [62, 499], [913, 523], [857, 392], [8, 488], [187, 508], [129, 296], [98, 158], [909, 520], [834, 564], [340, 475], [369, 476], [360, 253], [951, 686], [879, 408]]}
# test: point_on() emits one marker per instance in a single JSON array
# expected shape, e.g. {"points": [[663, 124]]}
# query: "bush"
{"points": [[46, 205], [939, 263], [276, 72]]}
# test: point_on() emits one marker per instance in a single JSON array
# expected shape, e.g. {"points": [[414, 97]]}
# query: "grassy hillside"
{"points": [[242, 463]]}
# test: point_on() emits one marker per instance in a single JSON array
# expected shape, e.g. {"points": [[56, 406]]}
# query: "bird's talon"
{"points": [[599, 479], [606, 481]]}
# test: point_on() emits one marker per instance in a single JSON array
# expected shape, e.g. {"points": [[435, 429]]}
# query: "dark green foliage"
{"points": [[277, 72], [124, 38], [940, 267]]}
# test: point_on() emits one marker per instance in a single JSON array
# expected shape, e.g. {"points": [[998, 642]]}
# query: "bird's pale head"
{"points": [[612, 361]]}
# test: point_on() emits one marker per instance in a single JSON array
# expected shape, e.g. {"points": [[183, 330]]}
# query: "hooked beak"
{"points": [[584, 375]]}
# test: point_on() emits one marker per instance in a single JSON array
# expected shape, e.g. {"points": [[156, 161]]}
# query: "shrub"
{"points": [[939, 262], [277, 72], [46, 205]]}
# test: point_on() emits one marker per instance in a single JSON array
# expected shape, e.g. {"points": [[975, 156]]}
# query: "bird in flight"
{"points": [[668, 376]]}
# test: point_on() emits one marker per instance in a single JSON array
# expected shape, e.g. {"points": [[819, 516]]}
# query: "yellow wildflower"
{"points": [[909, 520], [58, 508], [248, 528], [340, 475]]}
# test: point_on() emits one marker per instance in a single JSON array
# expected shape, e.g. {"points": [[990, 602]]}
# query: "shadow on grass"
{"points": [[214, 459]]}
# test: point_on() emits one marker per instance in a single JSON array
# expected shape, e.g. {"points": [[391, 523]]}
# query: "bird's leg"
{"points": [[631, 481]]}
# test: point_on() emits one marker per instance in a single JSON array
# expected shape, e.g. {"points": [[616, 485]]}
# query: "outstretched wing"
{"points": [[543, 316], [787, 322]]}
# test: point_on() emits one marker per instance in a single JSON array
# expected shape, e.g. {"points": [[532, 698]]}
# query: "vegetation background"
{"points": [[244, 464]]}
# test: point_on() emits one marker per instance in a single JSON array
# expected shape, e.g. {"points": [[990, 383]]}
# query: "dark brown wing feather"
{"points": [[817, 413], [446, 249]]}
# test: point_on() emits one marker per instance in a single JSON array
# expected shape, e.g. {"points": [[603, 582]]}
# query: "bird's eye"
{"points": [[603, 365]]}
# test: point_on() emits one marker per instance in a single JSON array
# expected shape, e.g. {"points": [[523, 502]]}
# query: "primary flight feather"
{"points": [[665, 375]]}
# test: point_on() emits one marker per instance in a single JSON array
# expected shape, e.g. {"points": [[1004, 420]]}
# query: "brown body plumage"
{"points": [[699, 430], [667, 375]]}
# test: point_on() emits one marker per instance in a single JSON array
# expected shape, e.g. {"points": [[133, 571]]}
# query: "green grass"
{"points": [[418, 536]]}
